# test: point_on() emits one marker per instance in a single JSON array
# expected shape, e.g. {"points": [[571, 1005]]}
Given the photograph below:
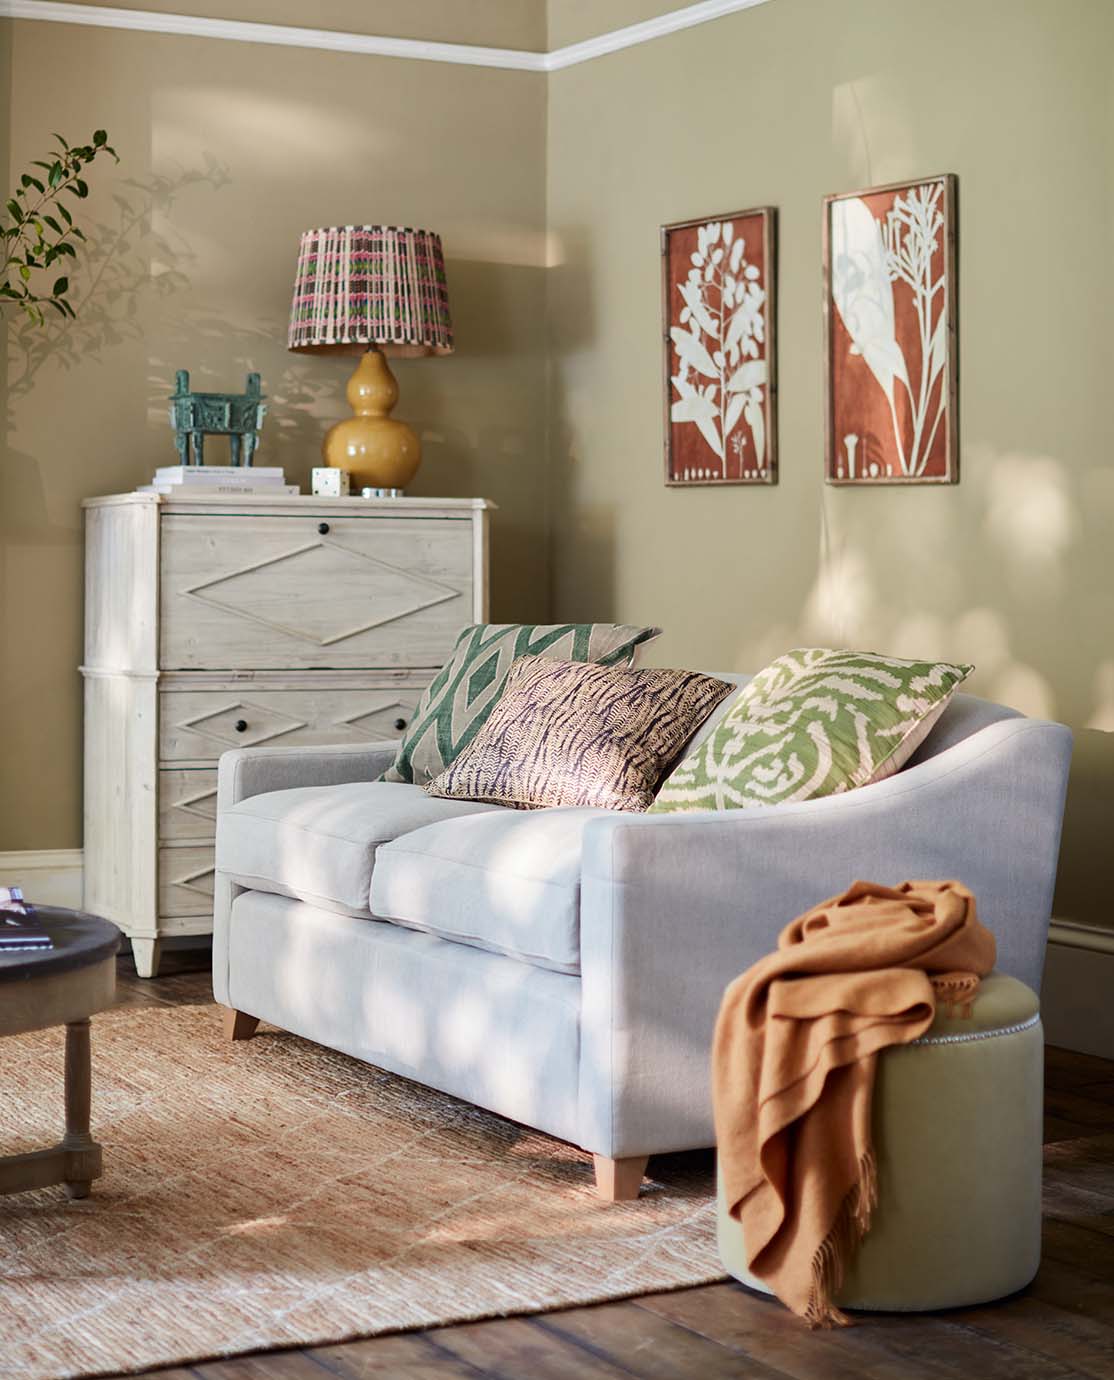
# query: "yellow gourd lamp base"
{"points": [[376, 450]]}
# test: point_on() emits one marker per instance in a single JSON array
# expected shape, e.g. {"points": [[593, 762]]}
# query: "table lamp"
{"points": [[371, 291]]}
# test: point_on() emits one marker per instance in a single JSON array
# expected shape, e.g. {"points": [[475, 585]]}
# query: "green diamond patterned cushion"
{"points": [[814, 722], [463, 693]]}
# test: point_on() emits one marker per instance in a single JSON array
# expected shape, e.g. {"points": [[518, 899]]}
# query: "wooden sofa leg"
{"points": [[238, 1025], [619, 1180]]}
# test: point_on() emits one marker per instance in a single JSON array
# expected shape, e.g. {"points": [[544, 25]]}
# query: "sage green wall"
{"points": [[228, 151], [780, 105]]}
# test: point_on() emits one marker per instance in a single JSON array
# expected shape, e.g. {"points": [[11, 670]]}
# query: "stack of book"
{"points": [[18, 932], [179, 480]]}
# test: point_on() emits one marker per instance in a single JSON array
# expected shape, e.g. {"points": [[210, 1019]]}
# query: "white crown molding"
{"points": [[673, 22], [418, 50]]}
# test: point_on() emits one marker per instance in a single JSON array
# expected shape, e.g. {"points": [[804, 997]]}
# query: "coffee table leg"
{"points": [[83, 1157]]}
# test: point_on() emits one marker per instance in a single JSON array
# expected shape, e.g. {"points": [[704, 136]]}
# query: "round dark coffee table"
{"points": [[63, 985]]}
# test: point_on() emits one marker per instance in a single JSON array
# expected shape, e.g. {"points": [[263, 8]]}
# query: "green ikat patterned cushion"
{"points": [[814, 722], [463, 693]]}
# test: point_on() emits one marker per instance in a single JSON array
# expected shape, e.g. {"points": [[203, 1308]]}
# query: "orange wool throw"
{"points": [[793, 1070]]}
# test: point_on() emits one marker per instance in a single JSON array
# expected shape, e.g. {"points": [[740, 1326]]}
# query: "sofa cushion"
{"points": [[458, 700], [575, 734], [505, 881], [318, 843], [817, 721]]}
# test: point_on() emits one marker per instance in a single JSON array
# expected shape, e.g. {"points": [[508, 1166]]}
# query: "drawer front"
{"points": [[186, 880], [245, 592], [188, 805], [198, 725]]}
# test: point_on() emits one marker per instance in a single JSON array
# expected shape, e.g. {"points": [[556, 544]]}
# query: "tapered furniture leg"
{"points": [[619, 1180], [238, 1025], [62, 985], [82, 1154], [146, 953]]}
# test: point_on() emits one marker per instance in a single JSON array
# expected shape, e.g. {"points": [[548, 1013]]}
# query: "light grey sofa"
{"points": [[564, 967]]}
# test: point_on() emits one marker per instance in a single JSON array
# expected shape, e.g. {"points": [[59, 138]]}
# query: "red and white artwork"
{"points": [[891, 360], [717, 292]]}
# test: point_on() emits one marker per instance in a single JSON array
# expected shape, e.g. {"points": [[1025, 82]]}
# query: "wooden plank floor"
{"points": [[1062, 1326]]}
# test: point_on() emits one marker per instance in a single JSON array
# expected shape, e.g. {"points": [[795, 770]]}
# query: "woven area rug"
{"points": [[274, 1194]]}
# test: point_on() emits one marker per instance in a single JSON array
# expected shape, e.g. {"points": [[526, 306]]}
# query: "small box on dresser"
{"points": [[212, 623]]}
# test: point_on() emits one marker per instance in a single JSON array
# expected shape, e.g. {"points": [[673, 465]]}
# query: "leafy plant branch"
{"points": [[38, 230]]}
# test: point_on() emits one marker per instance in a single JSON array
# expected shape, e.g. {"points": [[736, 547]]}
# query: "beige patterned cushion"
{"points": [[571, 733]]}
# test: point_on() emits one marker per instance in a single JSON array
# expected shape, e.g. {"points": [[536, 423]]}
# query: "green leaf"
{"points": [[24, 272], [100, 138], [61, 285], [64, 214], [65, 248], [56, 174], [53, 224], [59, 307], [76, 233], [38, 163], [61, 141]]}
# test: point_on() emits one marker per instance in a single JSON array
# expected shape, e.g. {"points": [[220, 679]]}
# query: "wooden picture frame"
{"points": [[720, 412], [891, 396]]}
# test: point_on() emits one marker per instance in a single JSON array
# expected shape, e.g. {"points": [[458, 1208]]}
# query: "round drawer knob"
{"points": [[241, 725], [400, 724], [323, 528]]}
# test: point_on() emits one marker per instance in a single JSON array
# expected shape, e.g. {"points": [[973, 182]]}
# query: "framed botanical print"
{"points": [[720, 379], [891, 405]]}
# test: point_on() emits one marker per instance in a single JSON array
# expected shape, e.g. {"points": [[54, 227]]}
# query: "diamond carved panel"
{"points": [[298, 592], [201, 806], [375, 720], [264, 724], [198, 882]]}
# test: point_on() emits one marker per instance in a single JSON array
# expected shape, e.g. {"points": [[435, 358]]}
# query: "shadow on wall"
{"points": [[590, 528], [125, 265]]}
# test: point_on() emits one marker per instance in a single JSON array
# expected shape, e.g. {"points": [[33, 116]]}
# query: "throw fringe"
{"points": [[829, 1264], [957, 991]]}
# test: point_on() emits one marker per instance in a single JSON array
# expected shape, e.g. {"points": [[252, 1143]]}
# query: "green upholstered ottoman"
{"points": [[957, 1135]]}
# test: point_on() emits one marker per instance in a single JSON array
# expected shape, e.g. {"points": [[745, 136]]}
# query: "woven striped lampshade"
{"points": [[361, 285]]}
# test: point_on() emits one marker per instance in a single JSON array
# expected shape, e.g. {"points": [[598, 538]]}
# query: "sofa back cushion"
{"points": [[566, 733], [460, 697]]}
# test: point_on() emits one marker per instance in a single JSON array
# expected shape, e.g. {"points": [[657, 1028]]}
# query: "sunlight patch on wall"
{"points": [[275, 133], [1031, 518], [871, 131], [1102, 717], [519, 246], [841, 610], [981, 637]]}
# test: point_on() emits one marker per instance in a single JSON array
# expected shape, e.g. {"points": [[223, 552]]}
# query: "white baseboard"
{"points": [[1077, 997], [50, 876]]}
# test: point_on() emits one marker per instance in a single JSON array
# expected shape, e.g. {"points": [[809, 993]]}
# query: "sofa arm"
{"points": [[246, 772], [674, 906], [255, 771]]}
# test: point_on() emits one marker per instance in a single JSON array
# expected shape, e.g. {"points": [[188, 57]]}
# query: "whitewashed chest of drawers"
{"points": [[212, 624]]}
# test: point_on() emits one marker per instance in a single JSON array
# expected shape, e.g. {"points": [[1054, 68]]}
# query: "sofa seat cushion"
{"points": [[506, 881], [318, 843]]}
